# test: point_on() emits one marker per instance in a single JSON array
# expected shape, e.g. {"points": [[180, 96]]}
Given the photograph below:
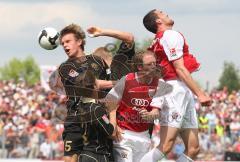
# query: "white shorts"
{"points": [[133, 146], [178, 107]]}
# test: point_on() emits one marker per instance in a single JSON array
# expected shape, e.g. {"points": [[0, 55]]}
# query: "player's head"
{"points": [[144, 60], [72, 38], [104, 54], [155, 19]]}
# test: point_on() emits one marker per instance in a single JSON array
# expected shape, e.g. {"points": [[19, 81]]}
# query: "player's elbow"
{"points": [[129, 38], [179, 70], [182, 72]]}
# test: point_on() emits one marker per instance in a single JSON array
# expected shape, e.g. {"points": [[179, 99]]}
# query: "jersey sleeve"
{"points": [[163, 89], [122, 61], [105, 125], [53, 79], [173, 42], [98, 66], [127, 50], [55, 83], [115, 94]]}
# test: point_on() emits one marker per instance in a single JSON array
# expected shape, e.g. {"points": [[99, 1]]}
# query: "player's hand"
{"points": [[117, 135], [94, 31], [205, 100], [149, 115], [145, 115]]}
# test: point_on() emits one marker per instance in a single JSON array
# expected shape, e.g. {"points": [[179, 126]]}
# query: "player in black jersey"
{"points": [[120, 63], [86, 126]]}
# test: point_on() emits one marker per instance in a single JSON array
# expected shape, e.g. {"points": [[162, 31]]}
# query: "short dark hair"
{"points": [[149, 21], [76, 30]]}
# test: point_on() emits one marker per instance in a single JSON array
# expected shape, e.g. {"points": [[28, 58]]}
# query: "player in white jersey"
{"points": [[178, 115], [134, 115]]}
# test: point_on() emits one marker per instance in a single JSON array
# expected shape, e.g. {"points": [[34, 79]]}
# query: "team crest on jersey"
{"points": [[105, 119], [73, 73], [124, 155], [176, 115], [173, 52]]}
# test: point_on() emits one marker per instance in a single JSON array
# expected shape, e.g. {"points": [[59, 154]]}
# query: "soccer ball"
{"points": [[48, 38]]}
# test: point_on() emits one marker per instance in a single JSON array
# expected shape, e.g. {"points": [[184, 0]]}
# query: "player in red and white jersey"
{"points": [[179, 114], [133, 93]]}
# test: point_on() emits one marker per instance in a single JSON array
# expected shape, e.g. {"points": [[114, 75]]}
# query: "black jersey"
{"points": [[86, 126], [78, 77], [122, 61]]}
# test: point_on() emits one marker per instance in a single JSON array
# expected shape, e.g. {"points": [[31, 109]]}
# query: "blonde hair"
{"points": [[138, 58], [103, 53]]}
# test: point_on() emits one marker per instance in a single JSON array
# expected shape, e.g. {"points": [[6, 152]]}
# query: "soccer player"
{"points": [[179, 116], [121, 63], [86, 126], [134, 114]]}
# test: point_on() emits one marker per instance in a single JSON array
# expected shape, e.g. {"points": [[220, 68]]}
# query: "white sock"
{"points": [[184, 158], [153, 156]]}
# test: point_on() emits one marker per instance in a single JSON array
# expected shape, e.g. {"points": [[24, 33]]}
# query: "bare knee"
{"points": [[166, 146], [192, 151], [72, 158]]}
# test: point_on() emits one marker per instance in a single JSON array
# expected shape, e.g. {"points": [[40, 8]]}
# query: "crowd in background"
{"points": [[28, 128], [31, 123]]}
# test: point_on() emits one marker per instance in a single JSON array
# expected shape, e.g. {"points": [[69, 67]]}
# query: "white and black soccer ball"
{"points": [[48, 38]]}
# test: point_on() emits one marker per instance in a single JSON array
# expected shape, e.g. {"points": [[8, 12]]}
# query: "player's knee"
{"points": [[67, 159], [72, 158], [193, 151], [166, 147]]}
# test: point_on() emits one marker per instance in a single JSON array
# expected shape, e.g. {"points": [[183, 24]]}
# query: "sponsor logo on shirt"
{"points": [[173, 52], [139, 102], [73, 73]]}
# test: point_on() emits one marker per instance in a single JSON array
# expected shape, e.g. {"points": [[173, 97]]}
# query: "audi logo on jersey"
{"points": [[139, 102]]}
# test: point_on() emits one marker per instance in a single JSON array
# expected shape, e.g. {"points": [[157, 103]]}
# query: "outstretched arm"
{"points": [[173, 47], [186, 77], [124, 36]]}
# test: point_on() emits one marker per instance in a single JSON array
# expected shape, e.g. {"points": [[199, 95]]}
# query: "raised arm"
{"points": [[121, 35]]}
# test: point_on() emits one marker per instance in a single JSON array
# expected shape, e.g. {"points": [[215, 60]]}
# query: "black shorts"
{"points": [[73, 143], [87, 156], [88, 127]]}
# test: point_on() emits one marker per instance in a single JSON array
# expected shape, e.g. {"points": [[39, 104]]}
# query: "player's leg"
{"points": [[168, 136], [141, 144], [171, 121], [72, 158], [189, 132], [172, 115], [88, 156], [122, 151], [72, 146], [191, 142]]}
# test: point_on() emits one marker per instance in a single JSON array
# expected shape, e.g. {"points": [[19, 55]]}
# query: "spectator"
{"points": [[30, 116]]}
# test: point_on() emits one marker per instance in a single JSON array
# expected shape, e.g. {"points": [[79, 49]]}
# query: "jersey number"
{"points": [[68, 146]]}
